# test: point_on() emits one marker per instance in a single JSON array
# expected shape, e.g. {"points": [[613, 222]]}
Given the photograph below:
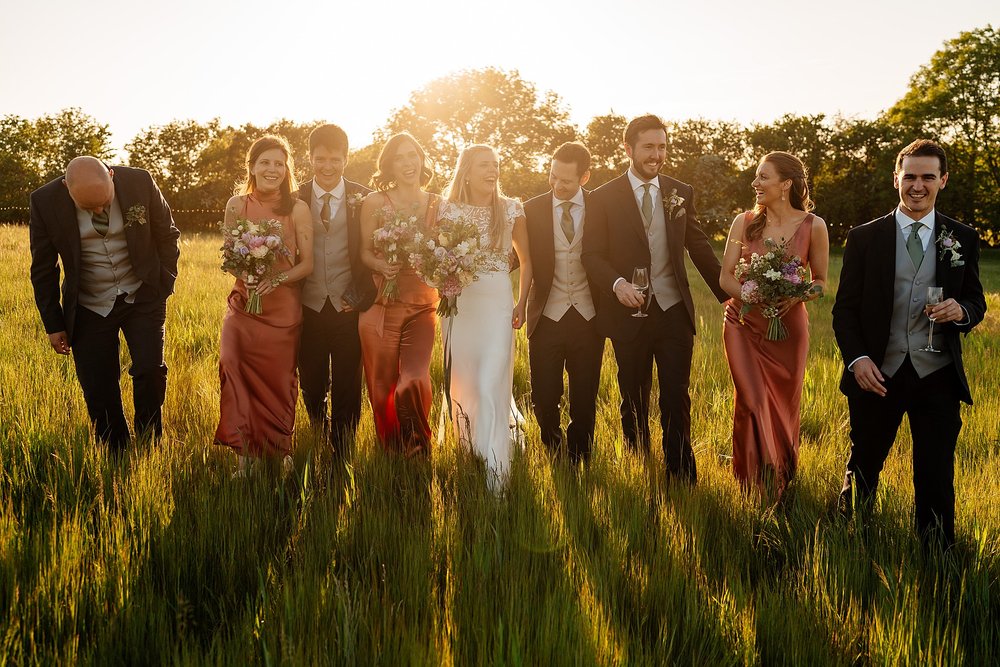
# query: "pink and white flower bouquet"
{"points": [[251, 248], [448, 258], [394, 240], [768, 279]]}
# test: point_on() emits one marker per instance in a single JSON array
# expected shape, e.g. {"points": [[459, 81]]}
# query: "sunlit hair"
{"points": [[641, 124], [287, 187], [329, 136], [458, 190], [923, 148], [383, 178], [790, 168], [573, 152]]}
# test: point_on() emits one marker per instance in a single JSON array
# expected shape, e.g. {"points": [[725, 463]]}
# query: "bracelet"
{"points": [[278, 279]]}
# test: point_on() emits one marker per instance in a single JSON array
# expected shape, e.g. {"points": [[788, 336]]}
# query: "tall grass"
{"points": [[162, 558]]}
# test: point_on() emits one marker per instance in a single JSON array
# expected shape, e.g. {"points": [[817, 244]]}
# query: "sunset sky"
{"points": [[133, 64]]}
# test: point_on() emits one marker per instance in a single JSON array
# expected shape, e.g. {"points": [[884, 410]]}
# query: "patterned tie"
{"points": [[100, 221], [647, 205], [567, 221], [324, 214], [914, 245]]}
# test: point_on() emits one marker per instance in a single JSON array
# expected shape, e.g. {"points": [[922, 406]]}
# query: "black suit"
{"points": [[153, 252], [614, 244], [572, 342], [330, 350], [861, 322]]}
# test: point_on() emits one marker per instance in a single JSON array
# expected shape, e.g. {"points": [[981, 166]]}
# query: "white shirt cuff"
{"points": [[616, 283], [850, 366], [966, 321]]}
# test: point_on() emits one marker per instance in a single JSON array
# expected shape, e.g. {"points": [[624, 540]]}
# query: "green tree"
{"points": [[489, 106], [172, 154], [603, 137], [58, 138], [956, 98], [18, 166]]}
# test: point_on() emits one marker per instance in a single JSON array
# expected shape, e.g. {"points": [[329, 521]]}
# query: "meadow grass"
{"points": [[162, 558]]}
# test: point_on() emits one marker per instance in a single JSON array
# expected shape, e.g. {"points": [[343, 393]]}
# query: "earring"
{"points": [[782, 196]]}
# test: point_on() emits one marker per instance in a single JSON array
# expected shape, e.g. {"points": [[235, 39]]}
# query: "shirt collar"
{"points": [[576, 199], [904, 221], [637, 182], [337, 192]]}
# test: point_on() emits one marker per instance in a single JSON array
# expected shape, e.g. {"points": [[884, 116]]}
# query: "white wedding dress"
{"points": [[479, 350]]}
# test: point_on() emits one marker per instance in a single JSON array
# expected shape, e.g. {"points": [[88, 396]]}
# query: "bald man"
{"points": [[113, 234]]}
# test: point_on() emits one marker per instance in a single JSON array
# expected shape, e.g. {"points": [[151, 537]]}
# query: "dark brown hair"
{"points": [[790, 168], [287, 187], [923, 148], [641, 124], [330, 136], [573, 152], [382, 178]]}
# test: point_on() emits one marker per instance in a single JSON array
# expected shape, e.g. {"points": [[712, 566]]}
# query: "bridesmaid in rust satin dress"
{"points": [[768, 375], [397, 336], [257, 361]]}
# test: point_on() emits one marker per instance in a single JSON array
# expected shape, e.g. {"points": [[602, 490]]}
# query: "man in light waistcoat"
{"points": [[561, 332], [339, 287], [882, 330], [643, 219], [114, 235]]}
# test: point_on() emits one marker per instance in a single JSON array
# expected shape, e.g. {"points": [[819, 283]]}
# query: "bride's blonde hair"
{"points": [[458, 190]]}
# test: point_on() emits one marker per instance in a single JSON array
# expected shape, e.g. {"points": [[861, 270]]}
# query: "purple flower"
{"points": [[947, 242]]}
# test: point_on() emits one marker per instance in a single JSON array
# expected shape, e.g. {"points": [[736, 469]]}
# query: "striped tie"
{"points": [[100, 221]]}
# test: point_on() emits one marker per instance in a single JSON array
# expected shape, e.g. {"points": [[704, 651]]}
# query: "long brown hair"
{"points": [[790, 168], [458, 191], [287, 187], [382, 179]]}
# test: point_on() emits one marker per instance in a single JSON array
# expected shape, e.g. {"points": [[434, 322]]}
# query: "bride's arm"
{"points": [[520, 239]]}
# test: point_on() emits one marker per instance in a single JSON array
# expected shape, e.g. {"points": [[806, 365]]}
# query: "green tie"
{"points": [[567, 221], [324, 214], [100, 221], [914, 246], [647, 206]]}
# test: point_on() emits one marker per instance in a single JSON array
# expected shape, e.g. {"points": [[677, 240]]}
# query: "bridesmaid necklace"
{"points": [[779, 226]]}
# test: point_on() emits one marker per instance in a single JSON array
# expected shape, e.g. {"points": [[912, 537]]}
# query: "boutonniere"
{"points": [[354, 200], [673, 202], [135, 215], [948, 246]]}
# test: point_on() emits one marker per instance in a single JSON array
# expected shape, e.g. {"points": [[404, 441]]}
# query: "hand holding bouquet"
{"points": [[767, 280], [448, 258], [251, 249], [394, 240]]}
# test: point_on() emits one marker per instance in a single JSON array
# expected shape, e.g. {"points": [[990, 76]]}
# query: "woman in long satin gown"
{"points": [[768, 375], [397, 335], [257, 373], [479, 340]]}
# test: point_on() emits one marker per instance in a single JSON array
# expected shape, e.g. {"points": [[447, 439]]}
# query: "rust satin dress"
{"points": [[767, 376], [257, 360], [397, 340]]}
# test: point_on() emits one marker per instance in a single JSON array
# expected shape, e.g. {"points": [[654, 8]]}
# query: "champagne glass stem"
{"points": [[930, 336]]}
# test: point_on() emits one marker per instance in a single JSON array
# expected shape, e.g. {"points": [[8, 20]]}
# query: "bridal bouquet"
{"points": [[767, 279], [251, 248], [448, 258], [394, 240]]}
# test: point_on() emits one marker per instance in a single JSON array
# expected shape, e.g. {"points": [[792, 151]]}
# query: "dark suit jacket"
{"points": [[863, 310], [541, 244], [615, 242], [55, 237], [361, 275]]}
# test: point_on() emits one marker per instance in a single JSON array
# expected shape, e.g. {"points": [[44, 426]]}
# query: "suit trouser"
{"points": [[668, 338], [95, 354], [573, 343], [330, 371], [932, 405]]}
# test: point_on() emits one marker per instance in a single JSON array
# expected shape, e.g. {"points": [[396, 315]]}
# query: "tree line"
{"points": [[954, 98]]}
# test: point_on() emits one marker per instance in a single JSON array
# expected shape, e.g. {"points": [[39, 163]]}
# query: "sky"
{"points": [[137, 63]]}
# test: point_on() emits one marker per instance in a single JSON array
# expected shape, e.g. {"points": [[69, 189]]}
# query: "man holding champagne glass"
{"points": [[904, 274]]}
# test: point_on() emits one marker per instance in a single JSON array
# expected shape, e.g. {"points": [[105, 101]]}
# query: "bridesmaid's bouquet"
{"points": [[394, 240], [251, 248], [768, 279], [448, 258]]}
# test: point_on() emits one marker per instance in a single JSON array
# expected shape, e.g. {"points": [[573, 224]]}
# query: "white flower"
{"points": [[259, 252], [771, 274]]}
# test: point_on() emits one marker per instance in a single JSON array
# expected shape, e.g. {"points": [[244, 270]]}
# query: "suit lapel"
{"points": [[885, 241], [675, 233], [126, 200], [66, 214], [630, 209], [943, 261], [547, 233]]}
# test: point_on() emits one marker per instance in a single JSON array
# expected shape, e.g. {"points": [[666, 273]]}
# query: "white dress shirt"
{"points": [[336, 198], [575, 211]]}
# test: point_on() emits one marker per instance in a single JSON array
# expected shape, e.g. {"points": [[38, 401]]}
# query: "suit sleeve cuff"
{"points": [[966, 321], [616, 283], [850, 366]]}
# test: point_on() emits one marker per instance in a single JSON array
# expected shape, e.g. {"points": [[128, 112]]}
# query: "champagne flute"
{"points": [[640, 281], [935, 295]]}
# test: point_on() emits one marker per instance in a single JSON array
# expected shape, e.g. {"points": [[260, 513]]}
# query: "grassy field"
{"points": [[161, 558]]}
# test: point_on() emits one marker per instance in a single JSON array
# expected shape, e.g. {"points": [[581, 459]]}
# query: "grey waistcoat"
{"points": [[331, 274]]}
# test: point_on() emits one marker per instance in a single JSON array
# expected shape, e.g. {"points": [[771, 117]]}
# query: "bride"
{"points": [[479, 340]]}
